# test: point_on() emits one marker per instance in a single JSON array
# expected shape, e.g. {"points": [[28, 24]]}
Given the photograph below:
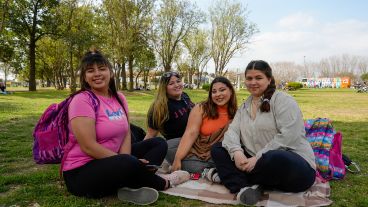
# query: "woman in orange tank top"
{"points": [[206, 125]]}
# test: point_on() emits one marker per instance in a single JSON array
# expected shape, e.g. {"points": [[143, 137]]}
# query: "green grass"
{"points": [[23, 183]]}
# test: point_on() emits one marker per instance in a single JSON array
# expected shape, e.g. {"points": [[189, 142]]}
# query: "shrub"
{"points": [[364, 77], [292, 86], [206, 86]]}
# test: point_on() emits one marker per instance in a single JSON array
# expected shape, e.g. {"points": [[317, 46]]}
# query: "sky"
{"points": [[302, 30]]}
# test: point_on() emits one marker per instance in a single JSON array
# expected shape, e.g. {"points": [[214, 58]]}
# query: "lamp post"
{"points": [[305, 68]]}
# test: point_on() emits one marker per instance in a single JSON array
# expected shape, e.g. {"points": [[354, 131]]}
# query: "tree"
{"points": [[230, 33], [132, 21], [4, 9], [53, 62], [286, 71], [362, 65], [197, 45], [364, 77], [145, 61], [30, 21], [175, 19], [79, 31]]}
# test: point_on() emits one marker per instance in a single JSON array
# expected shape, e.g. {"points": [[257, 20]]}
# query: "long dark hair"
{"points": [[265, 68], [210, 108], [96, 57]]}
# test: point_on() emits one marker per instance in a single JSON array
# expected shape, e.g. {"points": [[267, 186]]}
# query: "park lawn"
{"points": [[24, 183]]}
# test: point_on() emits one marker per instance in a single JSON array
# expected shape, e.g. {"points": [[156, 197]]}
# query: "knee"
{"points": [[217, 151], [275, 156], [125, 161], [160, 142]]}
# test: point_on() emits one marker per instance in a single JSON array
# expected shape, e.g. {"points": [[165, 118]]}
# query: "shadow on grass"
{"points": [[24, 183]]}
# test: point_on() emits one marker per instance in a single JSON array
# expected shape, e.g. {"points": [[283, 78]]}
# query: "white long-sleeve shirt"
{"points": [[280, 128]]}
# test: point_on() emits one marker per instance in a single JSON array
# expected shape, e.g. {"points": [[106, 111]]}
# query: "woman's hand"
{"points": [[240, 160], [251, 162], [176, 165], [144, 161]]}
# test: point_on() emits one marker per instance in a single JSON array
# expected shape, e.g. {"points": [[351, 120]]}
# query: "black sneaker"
{"points": [[249, 195], [140, 196]]}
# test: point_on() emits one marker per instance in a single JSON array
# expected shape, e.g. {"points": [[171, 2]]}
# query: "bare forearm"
{"points": [[97, 151]]}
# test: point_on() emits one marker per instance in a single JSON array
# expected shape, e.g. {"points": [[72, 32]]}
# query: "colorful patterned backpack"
{"points": [[51, 134], [326, 144]]}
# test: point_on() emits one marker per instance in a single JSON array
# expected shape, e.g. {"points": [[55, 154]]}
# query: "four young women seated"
{"points": [[263, 147]]}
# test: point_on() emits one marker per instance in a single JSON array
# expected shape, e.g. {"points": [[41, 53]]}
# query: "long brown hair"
{"points": [[265, 68], [210, 108], [159, 109]]}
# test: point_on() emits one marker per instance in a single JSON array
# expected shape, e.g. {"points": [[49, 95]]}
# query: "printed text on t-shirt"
{"points": [[115, 115]]}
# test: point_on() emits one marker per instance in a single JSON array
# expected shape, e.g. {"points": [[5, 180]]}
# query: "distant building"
{"points": [[337, 82]]}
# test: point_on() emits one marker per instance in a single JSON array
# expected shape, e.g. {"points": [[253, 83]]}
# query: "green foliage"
{"points": [[206, 86], [364, 76], [294, 86]]}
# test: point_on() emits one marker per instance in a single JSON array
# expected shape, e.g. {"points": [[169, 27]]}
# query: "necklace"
{"points": [[255, 103]]}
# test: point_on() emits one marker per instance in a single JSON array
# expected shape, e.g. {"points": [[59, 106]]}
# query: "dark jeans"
{"points": [[105, 176], [276, 169]]}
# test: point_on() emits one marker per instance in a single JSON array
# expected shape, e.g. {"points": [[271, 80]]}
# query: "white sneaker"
{"points": [[249, 195], [211, 175], [176, 177], [140, 196]]}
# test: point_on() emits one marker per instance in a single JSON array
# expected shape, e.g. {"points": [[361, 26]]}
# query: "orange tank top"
{"points": [[212, 125]]}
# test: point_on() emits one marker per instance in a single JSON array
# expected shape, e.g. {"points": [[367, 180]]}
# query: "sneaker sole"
{"points": [[250, 196], [140, 196]]}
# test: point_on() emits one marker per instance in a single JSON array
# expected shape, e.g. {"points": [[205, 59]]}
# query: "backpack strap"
{"points": [[71, 143], [351, 166]]}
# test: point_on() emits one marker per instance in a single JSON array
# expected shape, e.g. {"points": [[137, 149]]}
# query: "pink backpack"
{"points": [[51, 134], [327, 148]]}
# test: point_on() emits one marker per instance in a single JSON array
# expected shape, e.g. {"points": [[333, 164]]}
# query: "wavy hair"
{"points": [[159, 109], [265, 68], [210, 108]]}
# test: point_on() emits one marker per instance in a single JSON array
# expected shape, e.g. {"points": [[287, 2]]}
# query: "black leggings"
{"points": [[276, 169], [102, 177]]}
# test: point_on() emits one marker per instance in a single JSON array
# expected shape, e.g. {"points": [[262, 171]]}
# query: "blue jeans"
{"points": [[102, 177], [276, 169]]}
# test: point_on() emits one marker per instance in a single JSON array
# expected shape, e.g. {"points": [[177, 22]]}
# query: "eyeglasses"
{"points": [[170, 73]]}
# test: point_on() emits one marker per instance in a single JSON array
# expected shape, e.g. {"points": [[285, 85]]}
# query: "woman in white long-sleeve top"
{"points": [[265, 145]]}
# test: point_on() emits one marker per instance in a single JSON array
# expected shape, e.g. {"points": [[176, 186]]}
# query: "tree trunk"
{"points": [[123, 75], [130, 65], [117, 77], [73, 85], [167, 67], [32, 64]]}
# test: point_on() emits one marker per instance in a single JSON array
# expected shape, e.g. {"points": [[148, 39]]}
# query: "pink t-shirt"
{"points": [[111, 126]]}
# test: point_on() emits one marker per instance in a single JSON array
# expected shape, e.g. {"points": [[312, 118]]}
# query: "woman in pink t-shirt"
{"points": [[102, 160]]}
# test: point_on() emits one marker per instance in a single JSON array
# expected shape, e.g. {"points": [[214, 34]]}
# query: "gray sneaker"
{"points": [[140, 196], [211, 175], [249, 195]]}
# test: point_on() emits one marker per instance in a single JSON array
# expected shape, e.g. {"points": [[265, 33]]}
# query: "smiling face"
{"points": [[220, 94], [174, 88], [98, 78], [256, 82]]}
